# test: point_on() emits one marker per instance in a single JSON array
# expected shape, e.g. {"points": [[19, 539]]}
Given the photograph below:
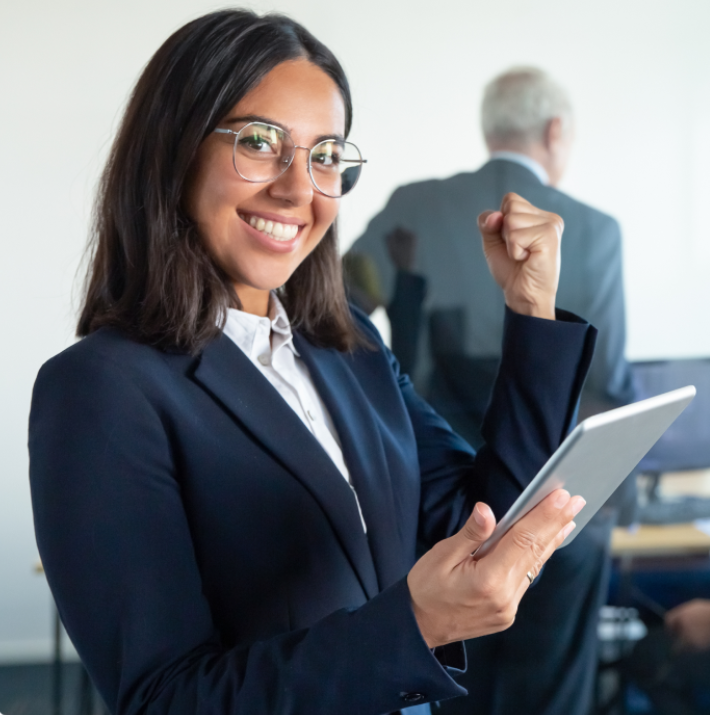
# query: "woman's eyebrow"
{"points": [[323, 137], [266, 120], [256, 118]]}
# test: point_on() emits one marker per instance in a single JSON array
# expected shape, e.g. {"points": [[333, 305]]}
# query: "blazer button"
{"points": [[412, 698]]}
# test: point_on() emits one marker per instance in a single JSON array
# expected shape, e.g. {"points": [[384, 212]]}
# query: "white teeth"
{"points": [[279, 231]]}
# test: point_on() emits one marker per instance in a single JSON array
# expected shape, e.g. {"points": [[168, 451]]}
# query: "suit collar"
{"points": [[230, 377], [364, 453], [525, 161], [255, 335]]}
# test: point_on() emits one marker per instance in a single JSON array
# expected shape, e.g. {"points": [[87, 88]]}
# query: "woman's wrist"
{"points": [[534, 309]]}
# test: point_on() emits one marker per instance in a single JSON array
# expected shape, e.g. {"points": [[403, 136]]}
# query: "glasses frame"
{"points": [[236, 134]]}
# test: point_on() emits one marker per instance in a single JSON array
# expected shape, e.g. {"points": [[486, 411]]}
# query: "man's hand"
{"points": [[522, 246], [456, 596], [690, 624]]}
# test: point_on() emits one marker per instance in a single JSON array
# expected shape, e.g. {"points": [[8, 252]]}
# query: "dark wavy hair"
{"points": [[150, 273]]}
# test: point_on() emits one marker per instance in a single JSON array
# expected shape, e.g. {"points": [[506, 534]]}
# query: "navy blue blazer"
{"points": [[207, 556]]}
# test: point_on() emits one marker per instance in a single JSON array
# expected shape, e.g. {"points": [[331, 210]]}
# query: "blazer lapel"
{"points": [[228, 374], [364, 454]]}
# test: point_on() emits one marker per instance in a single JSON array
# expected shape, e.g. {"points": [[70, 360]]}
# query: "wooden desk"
{"points": [[653, 541]]}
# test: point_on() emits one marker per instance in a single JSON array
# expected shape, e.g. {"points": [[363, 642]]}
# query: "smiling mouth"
{"points": [[273, 229]]}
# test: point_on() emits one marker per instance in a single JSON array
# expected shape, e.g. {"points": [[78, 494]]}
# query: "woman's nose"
{"points": [[294, 185]]}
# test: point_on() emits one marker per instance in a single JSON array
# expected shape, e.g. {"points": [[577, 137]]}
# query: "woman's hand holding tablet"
{"points": [[457, 596]]}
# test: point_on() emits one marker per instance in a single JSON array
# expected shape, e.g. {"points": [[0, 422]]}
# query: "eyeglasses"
{"points": [[262, 152]]}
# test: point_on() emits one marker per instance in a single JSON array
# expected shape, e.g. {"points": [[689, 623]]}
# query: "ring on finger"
{"points": [[530, 576]]}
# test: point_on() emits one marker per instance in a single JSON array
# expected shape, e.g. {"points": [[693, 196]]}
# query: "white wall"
{"points": [[638, 71]]}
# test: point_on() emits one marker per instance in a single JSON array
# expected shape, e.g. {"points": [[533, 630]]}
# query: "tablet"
{"points": [[596, 457]]}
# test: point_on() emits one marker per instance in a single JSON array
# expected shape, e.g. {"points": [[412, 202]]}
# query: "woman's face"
{"points": [[302, 99]]}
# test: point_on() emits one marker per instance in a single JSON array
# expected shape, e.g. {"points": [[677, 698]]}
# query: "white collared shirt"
{"points": [[268, 343], [526, 161]]}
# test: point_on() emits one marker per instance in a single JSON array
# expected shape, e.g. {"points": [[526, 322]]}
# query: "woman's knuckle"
{"points": [[524, 539], [499, 623], [509, 617], [538, 551], [500, 603], [470, 533], [489, 589], [505, 617], [559, 225], [530, 542]]}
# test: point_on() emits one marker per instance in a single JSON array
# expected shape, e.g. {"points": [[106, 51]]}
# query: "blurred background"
{"points": [[638, 72]]}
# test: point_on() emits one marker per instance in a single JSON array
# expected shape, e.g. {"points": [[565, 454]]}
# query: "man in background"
{"points": [[421, 257]]}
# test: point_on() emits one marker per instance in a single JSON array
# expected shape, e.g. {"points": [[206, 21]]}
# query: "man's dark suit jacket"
{"points": [[206, 555], [455, 360]]}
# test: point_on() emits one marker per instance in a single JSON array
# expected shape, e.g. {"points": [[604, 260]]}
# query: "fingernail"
{"points": [[568, 529], [578, 505], [562, 498], [479, 513]]}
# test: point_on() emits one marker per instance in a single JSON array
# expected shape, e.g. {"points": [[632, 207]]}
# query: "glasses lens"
{"points": [[335, 166], [262, 152]]}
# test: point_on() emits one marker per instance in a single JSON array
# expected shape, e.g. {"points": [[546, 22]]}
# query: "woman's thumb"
{"points": [[475, 531]]}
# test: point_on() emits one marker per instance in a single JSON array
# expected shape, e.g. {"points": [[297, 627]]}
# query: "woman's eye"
{"points": [[256, 143], [325, 158]]}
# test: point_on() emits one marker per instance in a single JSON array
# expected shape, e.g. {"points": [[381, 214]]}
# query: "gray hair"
{"points": [[518, 104]]}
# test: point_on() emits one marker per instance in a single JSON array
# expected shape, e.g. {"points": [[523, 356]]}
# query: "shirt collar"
{"points": [[280, 324], [248, 330], [523, 160]]}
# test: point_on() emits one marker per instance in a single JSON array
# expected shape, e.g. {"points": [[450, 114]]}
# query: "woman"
{"points": [[229, 474]]}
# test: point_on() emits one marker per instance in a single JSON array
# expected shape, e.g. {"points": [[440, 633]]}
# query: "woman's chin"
{"points": [[254, 285]]}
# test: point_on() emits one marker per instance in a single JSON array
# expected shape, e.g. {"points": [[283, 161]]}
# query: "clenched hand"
{"points": [[522, 246]]}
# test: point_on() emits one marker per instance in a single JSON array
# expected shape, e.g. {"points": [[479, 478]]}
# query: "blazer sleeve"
{"points": [[115, 541], [533, 406]]}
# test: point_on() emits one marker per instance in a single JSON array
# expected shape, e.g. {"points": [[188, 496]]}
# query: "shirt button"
{"points": [[412, 698], [264, 359]]}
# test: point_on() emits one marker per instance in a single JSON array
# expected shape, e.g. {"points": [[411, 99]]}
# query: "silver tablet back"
{"points": [[597, 456]]}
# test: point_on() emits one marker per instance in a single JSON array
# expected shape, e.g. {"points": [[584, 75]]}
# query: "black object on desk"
{"points": [[686, 444]]}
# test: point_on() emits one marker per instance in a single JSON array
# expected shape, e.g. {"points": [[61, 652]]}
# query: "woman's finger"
{"points": [[514, 221], [527, 544], [525, 582], [512, 200], [535, 237]]}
